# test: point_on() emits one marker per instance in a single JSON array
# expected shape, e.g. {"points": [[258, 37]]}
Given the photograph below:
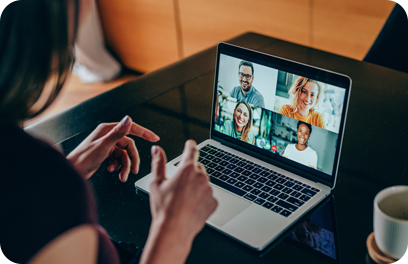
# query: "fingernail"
{"points": [[126, 177], [126, 121], [110, 168], [137, 168], [154, 150]]}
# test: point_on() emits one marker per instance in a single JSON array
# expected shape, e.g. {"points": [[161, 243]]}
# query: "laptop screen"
{"points": [[283, 110]]}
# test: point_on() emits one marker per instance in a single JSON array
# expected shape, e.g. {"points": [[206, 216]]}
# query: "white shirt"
{"points": [[306, 157]]}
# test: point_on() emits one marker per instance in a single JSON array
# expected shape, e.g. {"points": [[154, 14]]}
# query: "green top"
{"points": [[230, 130]]}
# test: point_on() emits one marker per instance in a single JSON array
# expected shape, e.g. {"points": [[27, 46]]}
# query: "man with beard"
{"points": [[246, 92]]}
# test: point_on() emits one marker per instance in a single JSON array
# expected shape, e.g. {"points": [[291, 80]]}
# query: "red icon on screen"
{"points": [[274, 148]]}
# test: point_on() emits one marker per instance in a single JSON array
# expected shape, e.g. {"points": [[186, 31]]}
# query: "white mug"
{"points": [[391, 221]]}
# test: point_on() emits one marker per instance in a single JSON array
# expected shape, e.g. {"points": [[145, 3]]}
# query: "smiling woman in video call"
{"points": [[301, 152], [48, 209], [304, 96], [240, 127]]}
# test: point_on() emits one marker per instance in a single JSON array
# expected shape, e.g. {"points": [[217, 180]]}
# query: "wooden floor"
{"points": [[75, 92]]}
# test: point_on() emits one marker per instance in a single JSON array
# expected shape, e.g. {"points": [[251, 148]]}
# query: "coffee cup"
{"points": [[391, 221]]}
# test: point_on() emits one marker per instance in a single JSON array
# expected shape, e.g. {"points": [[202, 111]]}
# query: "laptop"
{"points": [[275, 141]]}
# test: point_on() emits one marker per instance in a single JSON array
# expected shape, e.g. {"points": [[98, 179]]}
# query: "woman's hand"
{"points": [[180, 205], [109, 140]]}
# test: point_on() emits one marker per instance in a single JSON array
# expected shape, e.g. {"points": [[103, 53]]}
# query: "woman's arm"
{"points": [[165, 245], [180, 205], [78, 245]]}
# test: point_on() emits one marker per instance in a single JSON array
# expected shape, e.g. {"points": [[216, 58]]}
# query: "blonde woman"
{"points": [[304, 96], [240, 127]]}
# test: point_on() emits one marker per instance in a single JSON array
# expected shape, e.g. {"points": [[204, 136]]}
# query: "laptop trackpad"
{"points": [[229, 206]]}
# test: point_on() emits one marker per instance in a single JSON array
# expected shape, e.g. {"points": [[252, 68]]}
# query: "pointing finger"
{"points": [[144, 133], [135, 130], [190, 152], [201, 168], [159, 161], [118, 132]]}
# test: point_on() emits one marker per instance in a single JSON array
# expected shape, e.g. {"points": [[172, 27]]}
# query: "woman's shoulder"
{"points": [[18, 141], [285, 109], [41, 193], [26, 153], [316, 119], [228, 126], [290, 148], [228, 122], [311, 151], [32, 162], [315, 113], [289, 151]]}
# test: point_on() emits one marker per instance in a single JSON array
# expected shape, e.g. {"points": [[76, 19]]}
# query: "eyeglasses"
{"points": [[247, 76]]}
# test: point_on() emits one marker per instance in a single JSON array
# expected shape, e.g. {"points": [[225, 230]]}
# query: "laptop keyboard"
{"points": [[260, 185]]}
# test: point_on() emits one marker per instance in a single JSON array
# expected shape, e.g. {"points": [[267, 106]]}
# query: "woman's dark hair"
{"points": [[36, 55], [306, 124]]}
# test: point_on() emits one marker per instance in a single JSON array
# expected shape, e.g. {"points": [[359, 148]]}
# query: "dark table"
{"points": [[175, 101]]}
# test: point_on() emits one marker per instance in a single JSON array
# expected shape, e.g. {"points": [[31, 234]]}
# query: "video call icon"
{"points": [[274, 148]]}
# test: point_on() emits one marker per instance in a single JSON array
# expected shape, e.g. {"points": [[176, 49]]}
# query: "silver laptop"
{"points": [[275, 140]]}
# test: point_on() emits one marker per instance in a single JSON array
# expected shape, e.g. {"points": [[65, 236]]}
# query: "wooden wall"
{"points": [[348, 27], [204, 23], [141, 33], [149, 34]]}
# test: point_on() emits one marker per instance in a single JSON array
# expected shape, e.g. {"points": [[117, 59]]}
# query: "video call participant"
{"points": [[245, 91], [240, 127], [300, 152], [304, 95]]}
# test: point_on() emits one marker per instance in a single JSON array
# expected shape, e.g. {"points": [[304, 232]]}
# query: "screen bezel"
{"points": [[297, 68]]}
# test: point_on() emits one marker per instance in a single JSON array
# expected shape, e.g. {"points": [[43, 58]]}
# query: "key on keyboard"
{"points": [[254, 182]]}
